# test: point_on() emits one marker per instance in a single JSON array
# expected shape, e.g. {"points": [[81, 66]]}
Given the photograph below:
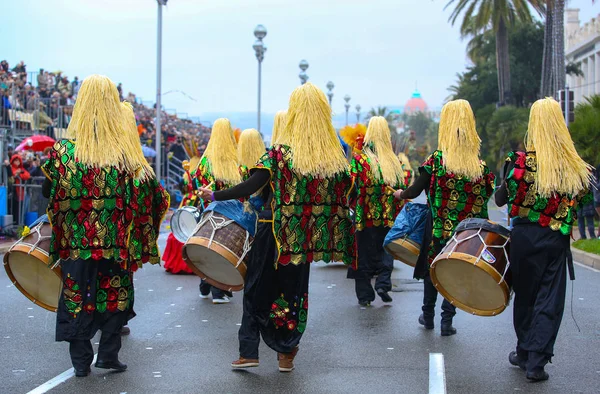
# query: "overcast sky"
{"points": [[375, 51]]}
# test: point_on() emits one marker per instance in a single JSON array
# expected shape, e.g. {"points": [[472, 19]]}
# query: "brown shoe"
{"points": [[286, 360], [244, 363]]}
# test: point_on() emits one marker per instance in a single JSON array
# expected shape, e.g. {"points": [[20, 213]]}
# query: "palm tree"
{"points": [[380, 111], [498, 15]]}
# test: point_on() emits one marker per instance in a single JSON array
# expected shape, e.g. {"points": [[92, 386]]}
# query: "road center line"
{"points": [[55, 381], [437, 374]]}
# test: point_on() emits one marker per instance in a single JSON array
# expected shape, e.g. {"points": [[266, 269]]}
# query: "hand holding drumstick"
{"points": [[205, 192]]}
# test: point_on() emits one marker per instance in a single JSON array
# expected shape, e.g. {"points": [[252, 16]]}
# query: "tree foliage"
{"points": [[585, 131]]}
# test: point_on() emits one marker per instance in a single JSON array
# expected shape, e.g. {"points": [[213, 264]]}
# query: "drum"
{"points": [[472, 271], [26, 264], [184, 221], [217, 250], [403, 241]]}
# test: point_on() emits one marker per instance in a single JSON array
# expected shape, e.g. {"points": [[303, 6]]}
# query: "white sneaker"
{"points": [[224, 300], [204, 296]]}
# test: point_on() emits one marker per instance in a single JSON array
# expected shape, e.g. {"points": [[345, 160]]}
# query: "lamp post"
{"points": [[160, 3], [347, 106], [330, 87], [303, 67], [259, 32], [357, 113]]}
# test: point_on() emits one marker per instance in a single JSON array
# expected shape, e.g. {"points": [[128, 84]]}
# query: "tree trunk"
{"points": [[559, 45], [546, 90], [503, 64]]}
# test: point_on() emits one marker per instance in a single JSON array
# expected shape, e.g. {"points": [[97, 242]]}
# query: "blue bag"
{"points": [[234, 210], [410, 223]]}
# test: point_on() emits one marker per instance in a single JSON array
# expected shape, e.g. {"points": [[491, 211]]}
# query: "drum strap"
{"points": [[219, 223]]}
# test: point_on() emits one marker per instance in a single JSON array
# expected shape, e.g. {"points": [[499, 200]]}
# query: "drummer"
{"points": [[376, 173], [308, 173], [250, 149], [218, 169], [89, 188], [458, 185], [543, 187]]}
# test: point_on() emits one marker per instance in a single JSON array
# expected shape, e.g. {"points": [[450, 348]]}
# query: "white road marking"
{"points": [[437, 374], [586, 266], [55, 381]]}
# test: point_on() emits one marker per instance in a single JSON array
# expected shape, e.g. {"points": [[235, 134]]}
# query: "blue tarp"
{"points": [[234, 210], [410, 223]]}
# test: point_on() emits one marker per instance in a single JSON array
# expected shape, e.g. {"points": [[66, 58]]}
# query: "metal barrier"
{"points": [[26, 198], [173, 179]]}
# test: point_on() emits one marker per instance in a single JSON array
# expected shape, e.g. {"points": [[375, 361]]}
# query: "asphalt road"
{"points": [[182, 344]]}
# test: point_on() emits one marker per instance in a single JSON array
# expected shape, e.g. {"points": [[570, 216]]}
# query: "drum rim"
{"points": [[408, 241], [176, 228], [215, 246], [488, 225], [23, 249], [481, 265]]}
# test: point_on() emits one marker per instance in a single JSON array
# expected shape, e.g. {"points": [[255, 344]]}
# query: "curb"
{"points": [[585, 258]]}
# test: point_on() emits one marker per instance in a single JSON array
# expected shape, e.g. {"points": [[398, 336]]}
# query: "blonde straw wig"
{"points": [[559, 167], [278, 125], [97, 125], [316, 148], [251, 148], [378, 148], [404, 160], [458, 140], [132, 145], [221, 152]]}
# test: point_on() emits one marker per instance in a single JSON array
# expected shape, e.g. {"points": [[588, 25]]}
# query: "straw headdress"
{"points": [[458, 140], [131, 143], [378, 148], [251, 148], [278, 126], [221, 151], [309, 132], [97, 125], [559, 167], [404, 160]]}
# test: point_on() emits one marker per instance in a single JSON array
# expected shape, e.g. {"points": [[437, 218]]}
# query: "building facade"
{"points": [[582, 47]]}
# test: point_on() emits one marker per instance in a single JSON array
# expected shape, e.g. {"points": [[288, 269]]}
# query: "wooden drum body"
{"points": [[472, 271], [404, 250], [26, 264]]}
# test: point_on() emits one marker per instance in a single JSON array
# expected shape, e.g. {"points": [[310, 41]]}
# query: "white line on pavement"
{"points": [[55, 381], [586, 266], [437, 374]]}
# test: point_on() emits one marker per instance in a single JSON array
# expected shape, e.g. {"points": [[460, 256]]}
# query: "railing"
{"points": [[173, 179], [25, 203]]}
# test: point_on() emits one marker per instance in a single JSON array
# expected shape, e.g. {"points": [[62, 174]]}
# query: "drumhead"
{"points": [[404, 250], [218, 270], [476, 223], [34, 279], [184, 222], [471, 286]]}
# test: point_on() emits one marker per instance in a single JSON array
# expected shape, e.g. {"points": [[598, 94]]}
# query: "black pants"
{"points": [[538, 259], [82, 352], [581, 222], [269, 292], [373, 260], [430, 295], [206, 288]]}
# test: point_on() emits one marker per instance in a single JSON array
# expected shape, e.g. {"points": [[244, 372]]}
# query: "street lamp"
{"points": [[347, 106], [158, 85], [330, 87], [303, 66], [259, 32], [357, 113]]}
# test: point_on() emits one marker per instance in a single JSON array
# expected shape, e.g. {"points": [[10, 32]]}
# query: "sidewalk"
{"points": [[585, 258]]}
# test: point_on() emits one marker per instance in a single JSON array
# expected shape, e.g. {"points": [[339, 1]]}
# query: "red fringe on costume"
{"points": [[172, 257]]}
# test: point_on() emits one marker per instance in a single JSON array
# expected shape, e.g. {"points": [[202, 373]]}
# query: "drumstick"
{"points": [[205, 187]]}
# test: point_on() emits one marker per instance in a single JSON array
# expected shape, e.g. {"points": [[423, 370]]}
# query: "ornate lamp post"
{"points": [[357, 113], [347, 106], [330, 87], [303, 66], [260, 32], [158, 146]]}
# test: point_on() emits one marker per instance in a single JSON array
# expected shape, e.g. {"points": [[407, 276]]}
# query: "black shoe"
{"points": [[385, 297], [125, 330], [116, 365], [448, 330], [82, 373], [364, 303], [514, 359], [537, 376], [427, 323]]}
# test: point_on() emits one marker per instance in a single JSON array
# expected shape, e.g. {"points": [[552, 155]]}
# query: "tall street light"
{"points": [[303, 67], [347, 106], [330, 87], [357, 113], [160, 3], [259, 32]]}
